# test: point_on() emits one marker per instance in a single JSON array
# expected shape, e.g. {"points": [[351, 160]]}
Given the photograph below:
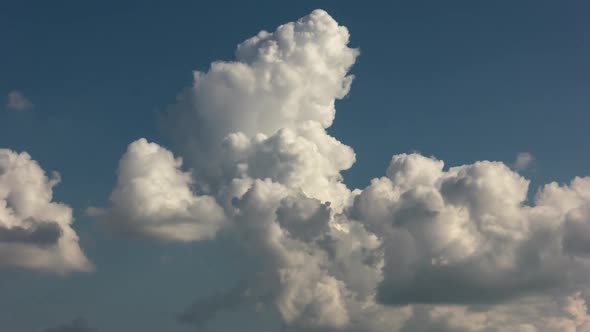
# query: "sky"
{"points": [[409, 166]]}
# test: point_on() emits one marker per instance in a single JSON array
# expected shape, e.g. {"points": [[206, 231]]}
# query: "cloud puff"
{"points": [[423, 248], [35, 232], [18, 102], [153, 198], [280, 91], [465, 235], [523, 161]]}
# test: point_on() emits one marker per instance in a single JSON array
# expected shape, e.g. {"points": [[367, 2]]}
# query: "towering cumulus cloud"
{"points": [[423, 248], [35, 233]]}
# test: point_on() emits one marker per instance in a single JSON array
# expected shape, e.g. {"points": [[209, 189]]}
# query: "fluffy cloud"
{"points": [[153, 198], [265, 114], [35, 232], [465, 235], [423, 248], [18, 102]]}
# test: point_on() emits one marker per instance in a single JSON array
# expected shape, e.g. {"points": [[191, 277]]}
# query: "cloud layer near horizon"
{"points": [[423, 248]]}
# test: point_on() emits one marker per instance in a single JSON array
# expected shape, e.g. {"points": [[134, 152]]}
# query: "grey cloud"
{"points": [[423, 321], [304, 217], [39, 234], [576, 239], [474, 282], [203, 310]]}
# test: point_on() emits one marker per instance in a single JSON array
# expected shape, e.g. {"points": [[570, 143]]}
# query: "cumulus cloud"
{"points": [[265, 114], [35, 232], [423, 248], [523, 161], [18, 102], [153, 198], [77, 325], [205, 309], [464, 235]]}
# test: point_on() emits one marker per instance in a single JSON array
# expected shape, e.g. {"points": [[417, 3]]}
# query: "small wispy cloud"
{"points": [[523, 161], [18, 102]]}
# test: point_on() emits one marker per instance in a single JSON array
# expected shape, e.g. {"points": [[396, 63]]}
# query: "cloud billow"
{"points": [[417, 250], [35, 232]]}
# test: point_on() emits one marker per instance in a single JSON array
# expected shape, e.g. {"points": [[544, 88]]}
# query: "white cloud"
{"points": [[280, 91], [416, 250], [465, 235], [35, 232], [523, 161], [153, 198], [18, 102]]}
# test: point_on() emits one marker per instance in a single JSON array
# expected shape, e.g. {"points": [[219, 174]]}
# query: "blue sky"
{"points": [[459, 80]]}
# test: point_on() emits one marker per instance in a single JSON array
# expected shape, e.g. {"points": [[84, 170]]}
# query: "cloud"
{"points": [[464, 235], [18, 102], [422, 248], [35, 232], [576, 239], [205, 309], [77, 325], [547, 314], [153, 198], [523, 161], [265, 114], [40, 234]]}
